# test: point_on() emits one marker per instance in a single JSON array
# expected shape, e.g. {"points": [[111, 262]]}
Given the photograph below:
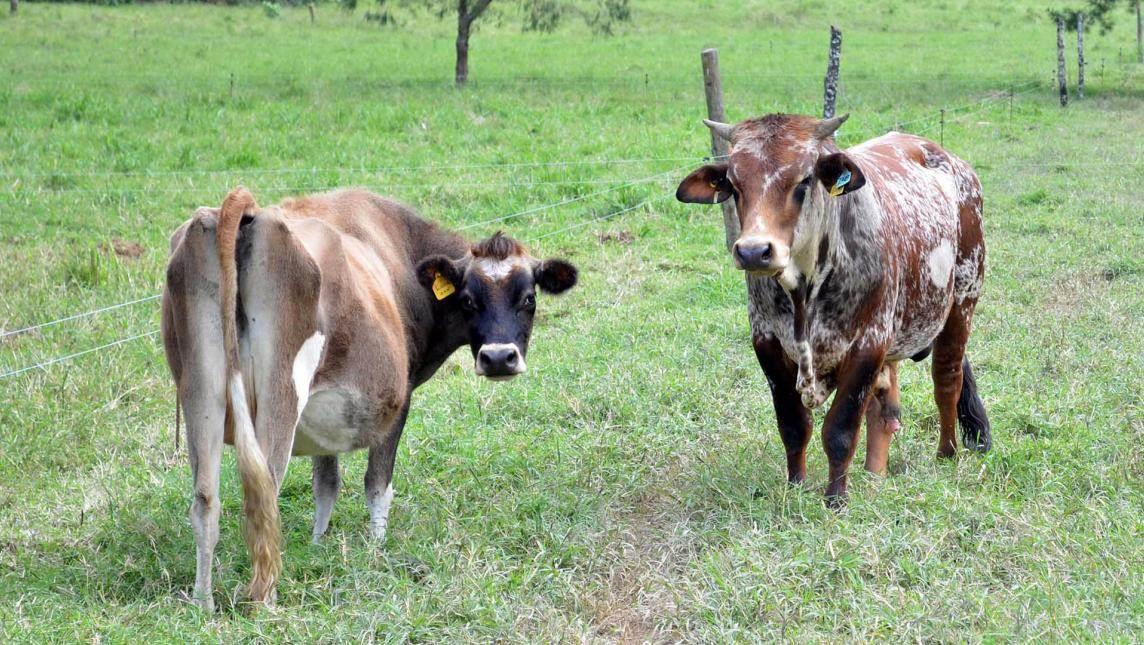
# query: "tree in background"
{"points": [[1100, 13], [540, 15]]}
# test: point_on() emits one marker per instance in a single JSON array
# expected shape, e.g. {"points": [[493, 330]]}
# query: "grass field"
{"points": [[632, 486]]}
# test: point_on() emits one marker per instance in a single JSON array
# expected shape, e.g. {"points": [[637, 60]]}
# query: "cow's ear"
{"points": [[707, 185], [441, 275], [555, 276], [839, 174]]}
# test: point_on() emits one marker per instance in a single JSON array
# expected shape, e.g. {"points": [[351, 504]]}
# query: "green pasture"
{"points": [[631, 487]]}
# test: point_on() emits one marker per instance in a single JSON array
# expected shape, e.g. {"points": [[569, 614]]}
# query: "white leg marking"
{"points": [[379, 513]]}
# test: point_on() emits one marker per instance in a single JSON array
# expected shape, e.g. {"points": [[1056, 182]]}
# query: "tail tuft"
{"points": [[975, 429], [259, 500]]}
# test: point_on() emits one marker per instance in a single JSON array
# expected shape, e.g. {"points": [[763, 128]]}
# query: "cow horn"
{"points": [[827, 127], [721, 130]]}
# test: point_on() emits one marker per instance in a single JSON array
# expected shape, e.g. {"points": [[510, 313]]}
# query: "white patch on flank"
{"points": [[940, 262], [379, 513], [305, 365], [496, 270]]}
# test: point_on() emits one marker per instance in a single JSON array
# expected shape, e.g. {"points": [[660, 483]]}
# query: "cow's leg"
{"points": [[204, 447], [948, 353], [883, 419], [192, 327], [793, 418], [327, 483], [856, 377], [379, 476]]}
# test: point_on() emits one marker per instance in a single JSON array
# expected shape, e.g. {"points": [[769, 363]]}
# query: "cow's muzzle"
{"points": [[499, 361], [758, 255]]}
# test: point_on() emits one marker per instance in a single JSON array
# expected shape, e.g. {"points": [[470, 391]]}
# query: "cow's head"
{"points": [[781, 169], [494, 289]]}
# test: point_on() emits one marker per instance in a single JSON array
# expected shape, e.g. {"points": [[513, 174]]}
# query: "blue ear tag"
{"points": [[840, 185]]}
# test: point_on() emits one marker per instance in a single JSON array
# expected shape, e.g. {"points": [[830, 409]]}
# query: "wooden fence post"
{"points": [[13, 6], [310, 6], [713, 87], [1080, 56], [1062, 80], [830, 83]]}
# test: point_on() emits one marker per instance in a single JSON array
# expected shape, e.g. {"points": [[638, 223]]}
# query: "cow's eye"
{"points": [[528, 302], [468, 304], [801, 188]]}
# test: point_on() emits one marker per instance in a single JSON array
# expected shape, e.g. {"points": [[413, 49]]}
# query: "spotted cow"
{"points": [[855, 260], [330, 310]]}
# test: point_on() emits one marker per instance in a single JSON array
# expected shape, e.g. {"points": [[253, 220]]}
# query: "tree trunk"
{"points": [[14, 5], [1139, 33], [464, 25]]}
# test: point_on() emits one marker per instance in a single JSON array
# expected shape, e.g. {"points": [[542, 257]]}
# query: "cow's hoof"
{"points": [[377, 532], [836, 501], [204, 603]]}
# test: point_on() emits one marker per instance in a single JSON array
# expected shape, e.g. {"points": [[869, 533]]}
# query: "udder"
{"points": [[334, 421]]}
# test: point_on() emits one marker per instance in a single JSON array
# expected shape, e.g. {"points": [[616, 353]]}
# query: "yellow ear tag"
{"points": [[835, 191], [442, 288]]}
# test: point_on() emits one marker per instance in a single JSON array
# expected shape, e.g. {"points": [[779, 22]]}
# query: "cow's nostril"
{"points": [[765, 251], [511, 358]]}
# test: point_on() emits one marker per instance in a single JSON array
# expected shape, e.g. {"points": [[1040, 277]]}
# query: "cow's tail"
{"points": [[259, 493], [975, 431]]}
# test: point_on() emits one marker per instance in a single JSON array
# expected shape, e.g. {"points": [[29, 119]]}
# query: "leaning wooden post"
{"points": [[310, 6], [1061, 78], [830, 83], [1080, 56], [713, 87]]}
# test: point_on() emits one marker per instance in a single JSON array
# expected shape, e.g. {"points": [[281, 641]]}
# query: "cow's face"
{"points": [[493, 289], [779, 167]]}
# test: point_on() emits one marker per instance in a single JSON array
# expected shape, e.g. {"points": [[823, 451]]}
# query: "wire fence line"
{"points": [[981, 105], [359, 169], [122, 341], [472, 225], [85, 314], [68, 357], [512, 184]]}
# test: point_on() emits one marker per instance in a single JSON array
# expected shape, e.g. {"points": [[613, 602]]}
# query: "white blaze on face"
{"points": [[305, 366], [940, 262], [496, 270]]}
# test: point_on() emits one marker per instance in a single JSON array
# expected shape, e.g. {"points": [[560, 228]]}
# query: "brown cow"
{"points": [[331, 309], [855, 260]]}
